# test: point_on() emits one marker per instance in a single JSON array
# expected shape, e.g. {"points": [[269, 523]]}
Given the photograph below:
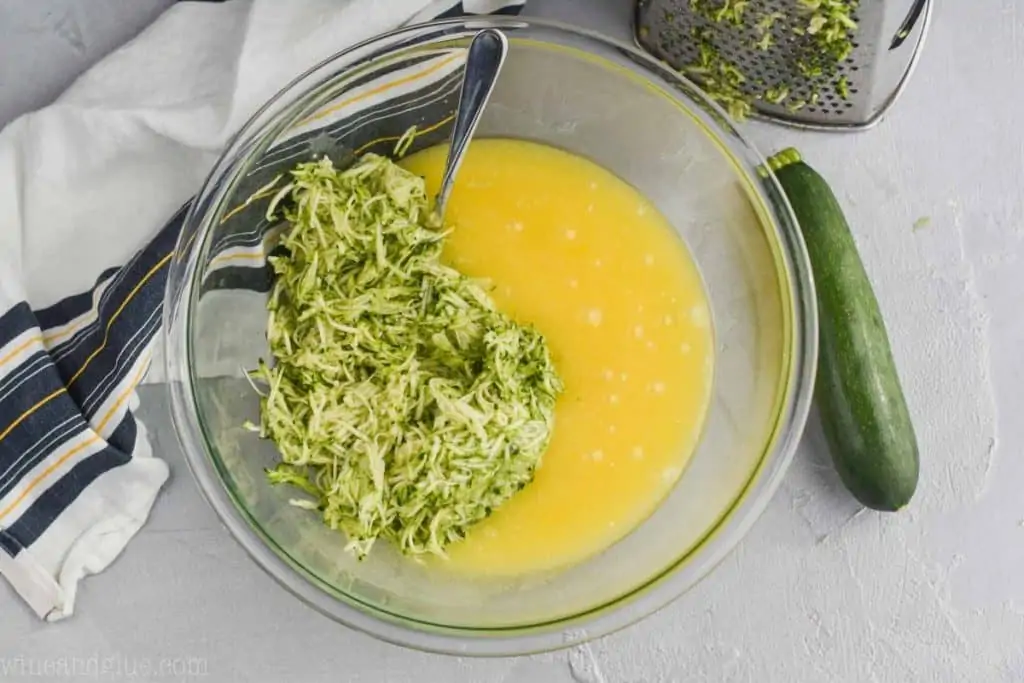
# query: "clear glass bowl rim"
{"points": [[672, 581]]}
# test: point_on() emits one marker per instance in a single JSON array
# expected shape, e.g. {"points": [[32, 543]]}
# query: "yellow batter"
{"points": [[586, 259]]}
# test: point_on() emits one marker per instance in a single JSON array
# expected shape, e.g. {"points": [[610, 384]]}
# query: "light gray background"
{"points": [[817, 592]]}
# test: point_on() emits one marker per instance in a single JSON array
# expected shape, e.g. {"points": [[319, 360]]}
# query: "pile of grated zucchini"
{"points": [[817, 34], [400, 399]]}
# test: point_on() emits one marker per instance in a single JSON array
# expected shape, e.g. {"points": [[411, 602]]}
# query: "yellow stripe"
{"points": [[387, 138], [92, 439], [123, 397], [110, 323], [188, 243], [235, 257], [50, 339], [244, 256], [261, 255], [375, 91], [35, 482], [106, 335], [93, 314], [396, 138], [238, 209], [344, 103], [21, 347], [21, 418]]}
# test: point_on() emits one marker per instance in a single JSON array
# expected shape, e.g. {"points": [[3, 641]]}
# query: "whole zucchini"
{"points": [[863, 411]]}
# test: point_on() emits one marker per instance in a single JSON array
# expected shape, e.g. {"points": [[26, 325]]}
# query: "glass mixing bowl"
{"points": [[596, 98]]}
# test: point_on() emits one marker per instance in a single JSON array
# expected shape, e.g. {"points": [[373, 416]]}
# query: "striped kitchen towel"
{"points": [[93, 192]]}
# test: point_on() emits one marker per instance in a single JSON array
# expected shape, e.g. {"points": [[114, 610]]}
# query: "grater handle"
{"points": [[908, 24]]}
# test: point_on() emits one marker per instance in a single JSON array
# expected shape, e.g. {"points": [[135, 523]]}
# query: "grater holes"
{"points": [[772, 68]]}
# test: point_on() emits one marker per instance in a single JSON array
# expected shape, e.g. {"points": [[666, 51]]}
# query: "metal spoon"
{"points": [[487, 53]]}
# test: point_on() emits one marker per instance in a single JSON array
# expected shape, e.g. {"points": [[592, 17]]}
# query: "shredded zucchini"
{"points": [[826, 29], [401, 401]]}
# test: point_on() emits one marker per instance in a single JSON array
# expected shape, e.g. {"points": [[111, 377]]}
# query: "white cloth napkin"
{"points": [[85, 185]]}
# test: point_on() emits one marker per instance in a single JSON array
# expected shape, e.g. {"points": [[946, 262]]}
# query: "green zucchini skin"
{"points": [[863, 411]]}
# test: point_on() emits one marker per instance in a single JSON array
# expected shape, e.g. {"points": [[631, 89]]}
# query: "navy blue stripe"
{"points": [[458, 10], [258, 279], [248, 229], [116, 336], [19, 402], [66, 427], [61, 418], [174, 231], [68, 344], [61, 432], [70, 356], [98, 354], [453, 11], [89, 338], [329, 140], [285, 150], [8, 544], [26, 434], [62, 493], [244, 238], [39, 424], [69, 308], [118, 364], [123, 438], [14, 321], [120, 331], [29, 366], [510, 11]]}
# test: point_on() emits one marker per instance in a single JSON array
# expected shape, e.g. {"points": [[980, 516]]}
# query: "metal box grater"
{"points": [[886, 45]]}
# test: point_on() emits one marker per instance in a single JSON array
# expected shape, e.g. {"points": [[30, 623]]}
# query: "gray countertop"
{"points": [[816, 592]]}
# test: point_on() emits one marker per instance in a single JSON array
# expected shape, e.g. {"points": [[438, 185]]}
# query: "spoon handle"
{"points": [[487, 53]]}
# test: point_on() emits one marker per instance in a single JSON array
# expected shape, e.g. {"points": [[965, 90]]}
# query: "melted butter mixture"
{"points": [[581, 255]]}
